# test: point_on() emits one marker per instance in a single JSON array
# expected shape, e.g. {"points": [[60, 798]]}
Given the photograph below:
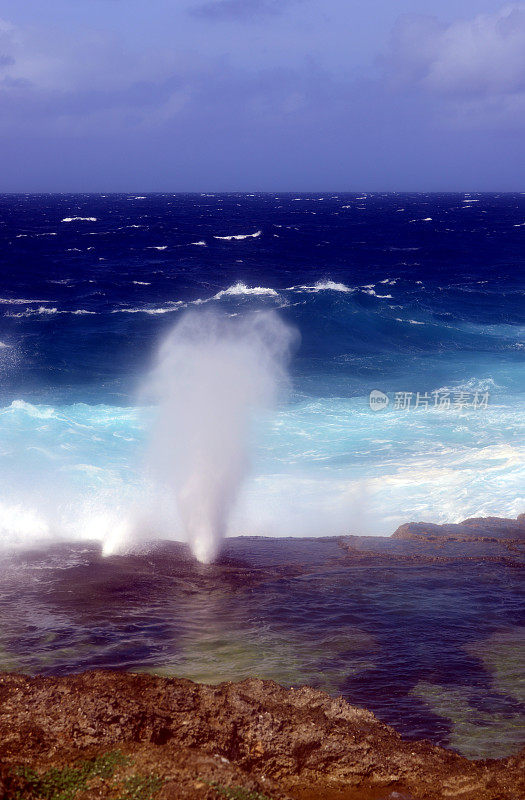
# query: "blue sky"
{"points": [[195, 95]]}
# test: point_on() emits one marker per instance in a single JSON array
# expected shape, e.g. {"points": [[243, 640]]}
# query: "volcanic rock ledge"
{"points": [[199, 740], [478, 529]]}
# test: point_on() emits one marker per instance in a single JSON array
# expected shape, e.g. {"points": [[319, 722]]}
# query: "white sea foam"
{"points": [[472, 385], [411, 321], [30, 235], [240, 289], [322, 286], [47, 311], [142, 283], [21, 525], [19, 301], [373, 293], [74, 472], [427, 219], [3, 344], [240, 236], [158, 247], [168, 309], [199, 244], [79, 219]]}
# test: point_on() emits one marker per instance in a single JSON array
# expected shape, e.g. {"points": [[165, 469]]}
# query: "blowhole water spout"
{"points": [[213, 373]]}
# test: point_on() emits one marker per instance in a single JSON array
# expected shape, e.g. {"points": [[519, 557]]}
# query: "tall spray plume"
{"points": [[213, 374]]}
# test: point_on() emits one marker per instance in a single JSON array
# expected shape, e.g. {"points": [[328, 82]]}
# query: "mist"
{"points": [[212, 375]]}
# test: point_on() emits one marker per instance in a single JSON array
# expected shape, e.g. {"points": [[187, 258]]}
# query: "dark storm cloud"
{"points": [[286, 104], [484, 55], [474, 69]]}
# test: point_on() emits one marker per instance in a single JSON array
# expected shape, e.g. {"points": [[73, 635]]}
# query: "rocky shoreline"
{"points": [[141, 737], [474, 529]]}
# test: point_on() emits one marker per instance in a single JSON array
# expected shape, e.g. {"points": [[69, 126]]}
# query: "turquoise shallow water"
{"points": [[319, 466]]}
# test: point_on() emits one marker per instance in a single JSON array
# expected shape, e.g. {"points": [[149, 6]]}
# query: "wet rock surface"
{"points": [[197, 740]]}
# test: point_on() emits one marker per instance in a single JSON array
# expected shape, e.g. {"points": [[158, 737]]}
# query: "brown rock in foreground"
{"points": [[473, 529], [255, 734]]}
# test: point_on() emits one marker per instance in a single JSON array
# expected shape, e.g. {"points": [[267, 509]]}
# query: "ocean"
{"points": [[404, 403], [418, 297]]}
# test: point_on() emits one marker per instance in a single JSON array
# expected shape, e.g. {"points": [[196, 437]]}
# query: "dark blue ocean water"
{"points": [[399, 293]]}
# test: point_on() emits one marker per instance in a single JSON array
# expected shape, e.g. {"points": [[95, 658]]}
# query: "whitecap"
{"points": [[322, 286], [45, 311], [240, 236], [158, 247], [199, 244], [174, 306], [79, 219], [471, 385], [373, 293], [40, 412], [240, 288], [427, 219], [142, 283], [20, 301]]}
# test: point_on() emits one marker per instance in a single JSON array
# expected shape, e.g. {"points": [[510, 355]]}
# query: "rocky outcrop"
{"points": [[475, 529], [197, 739]]}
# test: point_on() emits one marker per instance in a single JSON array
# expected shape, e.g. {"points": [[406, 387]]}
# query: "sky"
{"points": [[262, 95]]}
